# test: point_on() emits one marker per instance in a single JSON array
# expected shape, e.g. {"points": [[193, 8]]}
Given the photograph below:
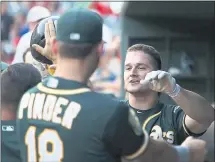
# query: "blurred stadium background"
{"points": [[184, 33], [14, 25]]}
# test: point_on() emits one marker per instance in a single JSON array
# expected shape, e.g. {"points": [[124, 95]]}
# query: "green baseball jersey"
{"points": [[165, 122], [61, 120], [10, 151]]}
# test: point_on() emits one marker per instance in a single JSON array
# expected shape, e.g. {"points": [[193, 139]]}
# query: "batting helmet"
{"points": [[38, 37]]}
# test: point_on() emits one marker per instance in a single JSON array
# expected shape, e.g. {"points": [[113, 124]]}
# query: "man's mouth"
{"points": [[134, 81]]}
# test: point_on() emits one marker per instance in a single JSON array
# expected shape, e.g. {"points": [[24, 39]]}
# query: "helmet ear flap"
{"points": [[38, 37]]}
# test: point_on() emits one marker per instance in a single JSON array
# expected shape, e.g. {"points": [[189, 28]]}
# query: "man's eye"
{"points": [[142, 68], [127, 68]]}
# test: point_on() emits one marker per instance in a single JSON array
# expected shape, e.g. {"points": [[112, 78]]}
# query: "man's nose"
{"points": [[133, 72]]}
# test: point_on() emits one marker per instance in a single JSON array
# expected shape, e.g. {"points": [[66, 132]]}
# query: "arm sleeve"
{"points": [[179, 124], [123, 135]]}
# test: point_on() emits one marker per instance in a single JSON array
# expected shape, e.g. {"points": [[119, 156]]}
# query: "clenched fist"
{"points": [[160, 81]]}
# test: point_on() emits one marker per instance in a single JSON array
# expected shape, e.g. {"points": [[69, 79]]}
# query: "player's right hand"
{"points": [[197, 149], [50, 36]]}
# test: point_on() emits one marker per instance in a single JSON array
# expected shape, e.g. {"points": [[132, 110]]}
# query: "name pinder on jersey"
{"points": [[45, 107]]}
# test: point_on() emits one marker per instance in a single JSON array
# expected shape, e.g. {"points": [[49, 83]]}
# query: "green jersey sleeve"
{"points": [[180, 126], [123, 135]]}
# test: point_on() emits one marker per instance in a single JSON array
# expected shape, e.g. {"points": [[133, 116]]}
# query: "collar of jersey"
{"points": [[62, 86], [154, 109]]}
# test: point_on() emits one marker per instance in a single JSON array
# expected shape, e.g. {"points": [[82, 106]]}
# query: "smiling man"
{"points": [[144, 81]]}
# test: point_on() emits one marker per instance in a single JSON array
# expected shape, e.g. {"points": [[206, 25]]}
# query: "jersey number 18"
{"points": [[48, 136]]}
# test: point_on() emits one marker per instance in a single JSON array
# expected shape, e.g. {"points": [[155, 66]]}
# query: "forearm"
{"points": [[157, 151], [195, 106]]}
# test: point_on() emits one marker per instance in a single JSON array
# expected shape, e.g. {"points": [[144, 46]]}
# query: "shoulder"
{"points": [[33, 89], [110, 103], [25, 37], [105, 99], [23, 44], [172, 114], [26, 96], [168, 108]]}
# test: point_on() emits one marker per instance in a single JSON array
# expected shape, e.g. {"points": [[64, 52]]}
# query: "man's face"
{"points": [[137, 65]]}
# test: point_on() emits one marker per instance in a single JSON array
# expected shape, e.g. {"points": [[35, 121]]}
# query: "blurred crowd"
{"points": [[18, 21], [14, 24]]}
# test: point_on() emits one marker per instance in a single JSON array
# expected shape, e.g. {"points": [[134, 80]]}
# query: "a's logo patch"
{"points": [[158, 134], [134, 121], [176, 109]]}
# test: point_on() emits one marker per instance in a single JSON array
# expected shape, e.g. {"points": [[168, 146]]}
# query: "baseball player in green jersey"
{"points": [[63, 120], [15, 81], [144, 80]]}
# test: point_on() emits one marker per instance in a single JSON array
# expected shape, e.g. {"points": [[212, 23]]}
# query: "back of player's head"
{"points": [[16, 80], [79, 31], [148, 50]]}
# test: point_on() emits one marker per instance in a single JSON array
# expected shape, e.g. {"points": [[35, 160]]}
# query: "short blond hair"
{"points": [[148, 50]]}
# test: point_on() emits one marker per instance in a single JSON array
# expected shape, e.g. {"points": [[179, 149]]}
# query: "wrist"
{"points": [[183, 153], [175, 91]]}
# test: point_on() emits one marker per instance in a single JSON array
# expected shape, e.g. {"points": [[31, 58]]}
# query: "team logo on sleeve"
{"points": [[134, 121], [176, 109], [7, 128]]}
